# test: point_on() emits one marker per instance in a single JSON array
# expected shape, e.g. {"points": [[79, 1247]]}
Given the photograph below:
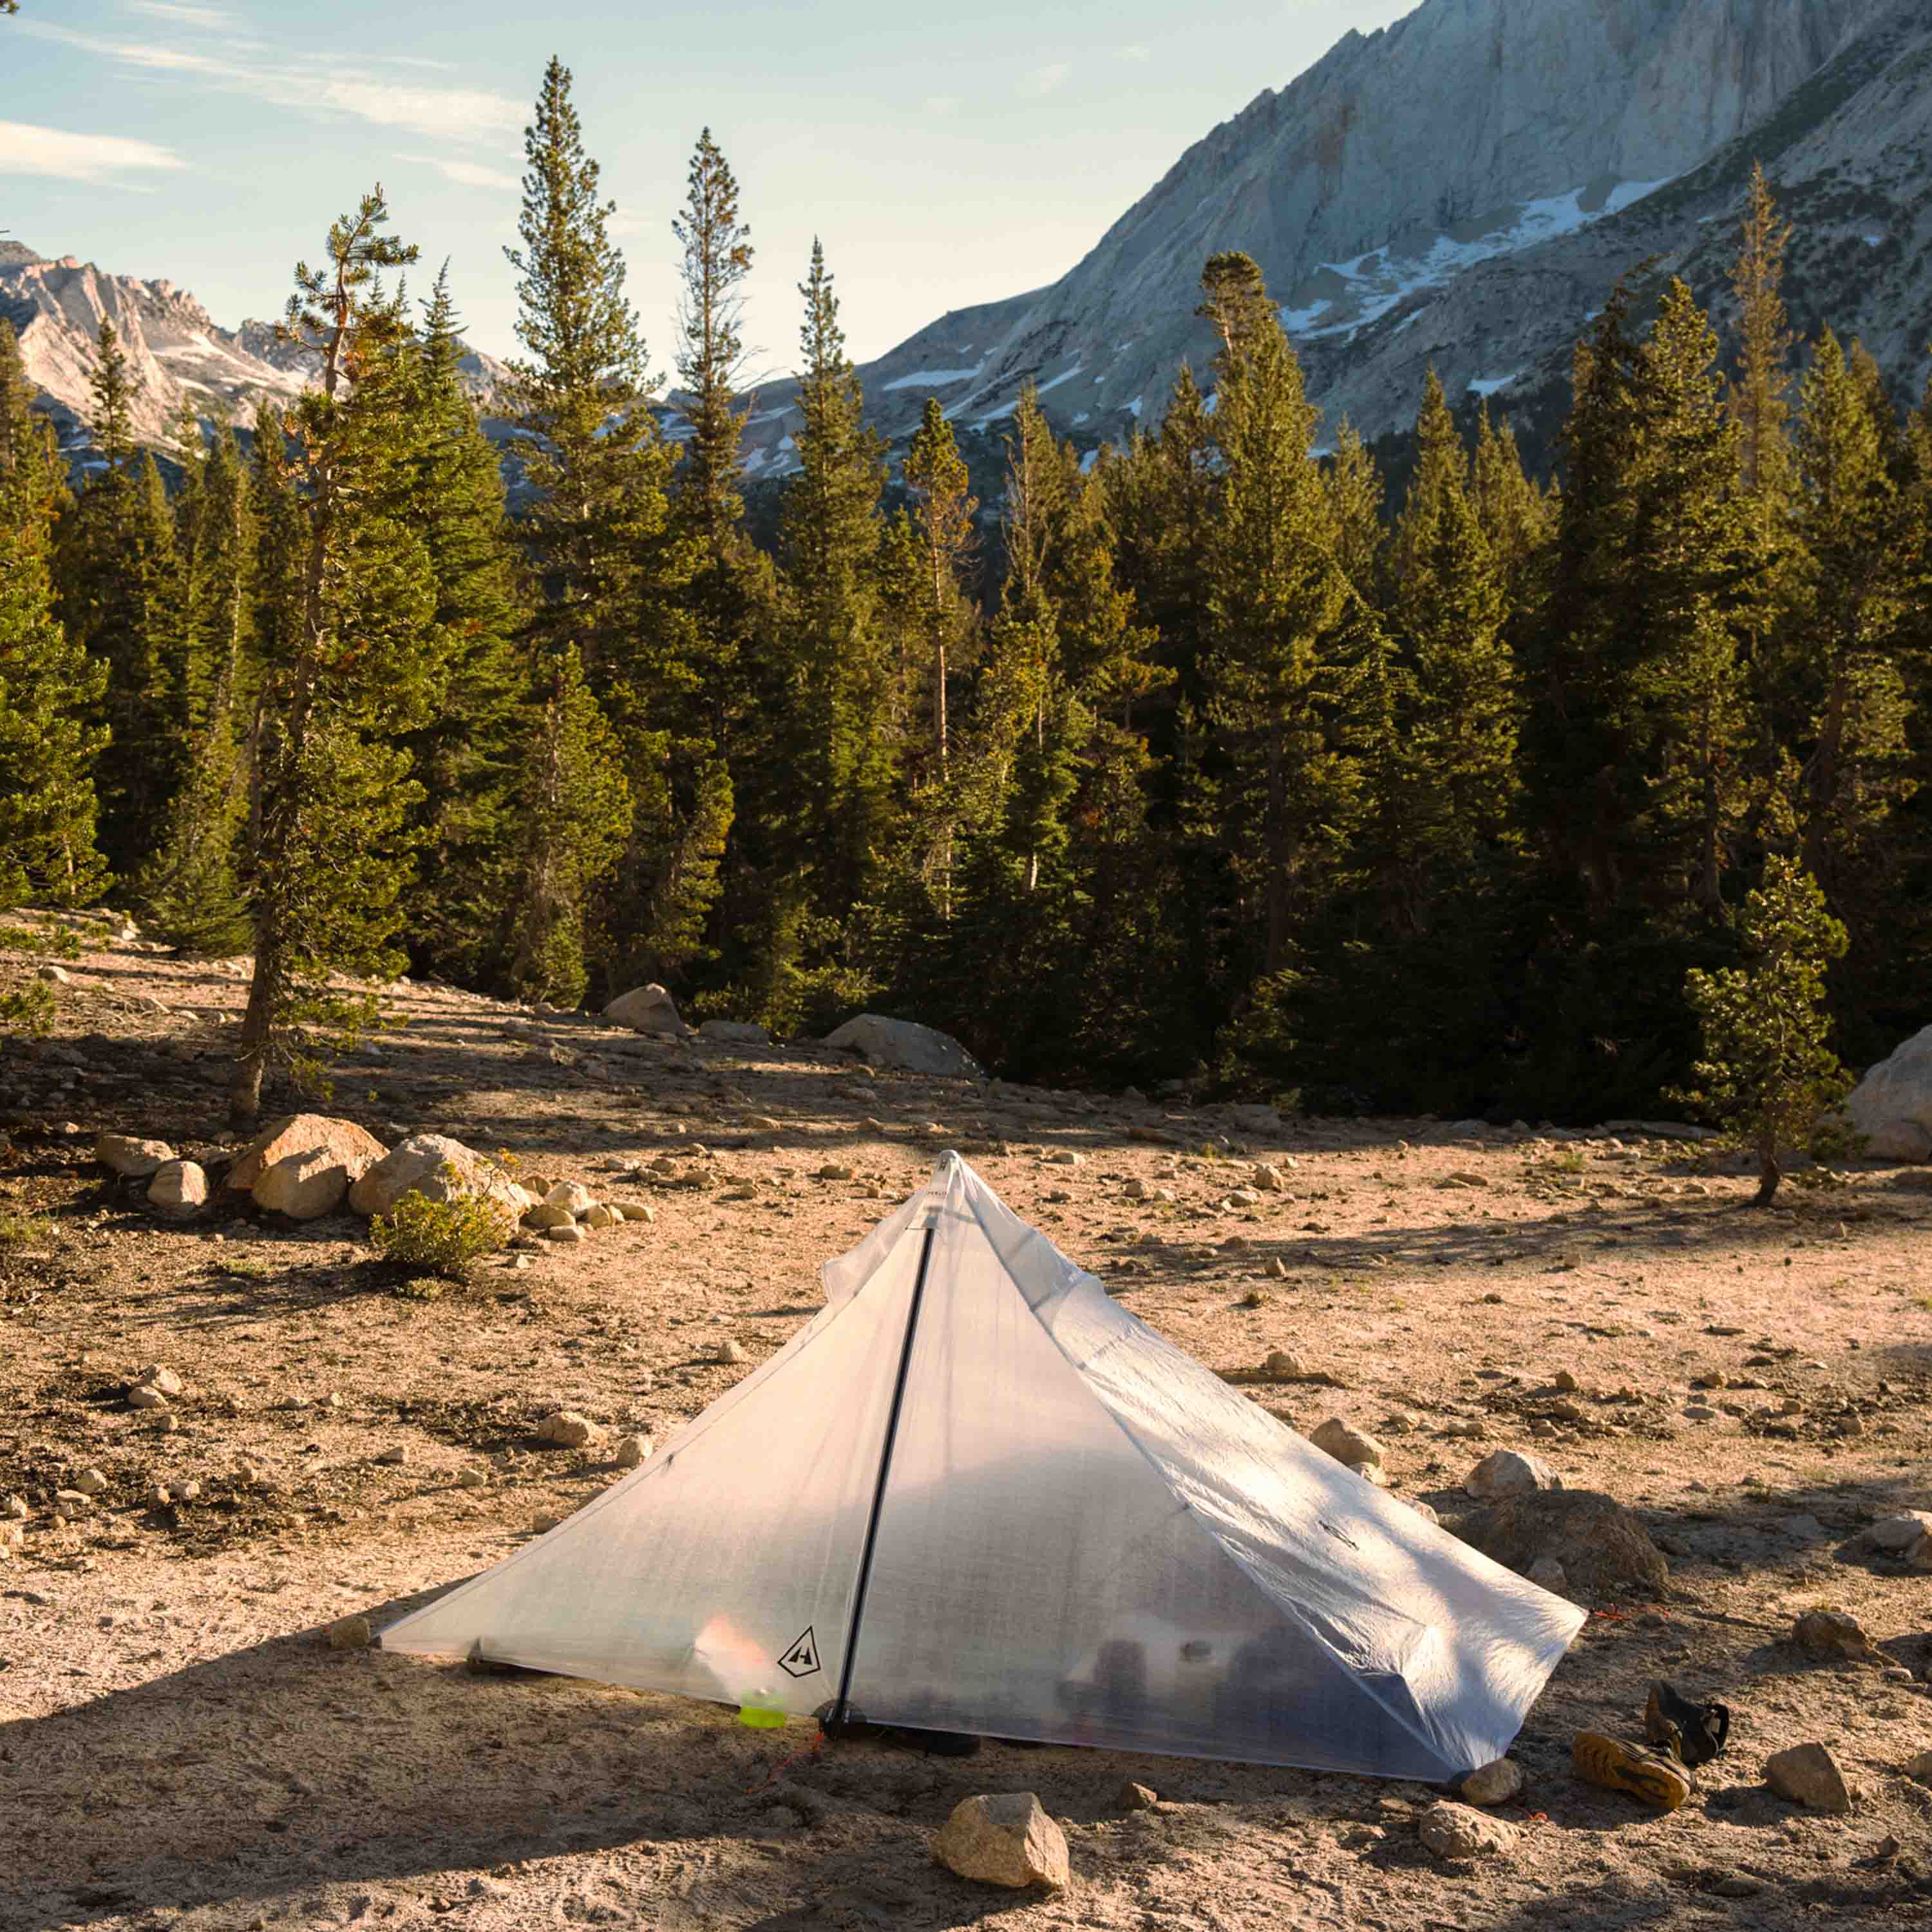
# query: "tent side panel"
{"points": [[1035, 1576], [724, 1568]]}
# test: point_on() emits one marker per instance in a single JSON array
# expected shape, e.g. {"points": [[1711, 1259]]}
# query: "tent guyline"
{"points": [[977, 1494], [841, 1712]]}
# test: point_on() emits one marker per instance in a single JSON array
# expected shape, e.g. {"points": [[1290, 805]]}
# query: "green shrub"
{"points": [[24, 1231], [442, 1237]]}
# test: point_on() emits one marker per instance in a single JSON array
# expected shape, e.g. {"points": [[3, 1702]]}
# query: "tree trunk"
{"points": [[1769, 1174]]}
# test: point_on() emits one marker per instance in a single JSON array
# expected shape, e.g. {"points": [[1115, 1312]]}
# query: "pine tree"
{"points": [[1759, 397], [189, 893], [575, 809], [943, 510], [49, 688], [464, 758], [361, 665], [596, 532], [1278, 599], [845, 740], [711, 361], [119, 597], [1355, 509], [1441, 465], [1768, 1073], [1847, 701], [612, 569], [1518, 520]]}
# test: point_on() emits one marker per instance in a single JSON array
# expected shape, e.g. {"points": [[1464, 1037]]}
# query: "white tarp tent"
{"points": [[973, 1494]]}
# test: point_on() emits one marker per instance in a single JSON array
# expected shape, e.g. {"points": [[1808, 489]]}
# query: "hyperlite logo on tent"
{"points": [[802, 1659]]}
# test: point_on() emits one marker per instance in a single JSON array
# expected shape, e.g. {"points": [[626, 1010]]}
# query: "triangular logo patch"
{"points": [[801, 1658]]}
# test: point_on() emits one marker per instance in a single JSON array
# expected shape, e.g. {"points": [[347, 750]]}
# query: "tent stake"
{"points": [[840, 1709]]}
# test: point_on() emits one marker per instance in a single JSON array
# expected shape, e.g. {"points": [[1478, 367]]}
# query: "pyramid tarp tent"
{"points": [[973, 1494]]}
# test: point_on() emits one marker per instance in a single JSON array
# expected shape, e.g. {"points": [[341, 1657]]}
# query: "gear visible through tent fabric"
{"points": [[974, 1494]]}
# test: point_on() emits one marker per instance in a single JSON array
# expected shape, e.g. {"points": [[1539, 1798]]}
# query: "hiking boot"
{"points": [[1654, 1777], [1694, 1733]]}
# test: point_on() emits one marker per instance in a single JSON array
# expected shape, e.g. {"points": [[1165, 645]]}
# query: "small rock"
{"points": [[145, 1397], [1898, 1533], [569, 1231], [1347, 1445], [471, 1479], [834, 1170], [1284, 1367], [1269, 1177], [1809, 1775], [54, 976], [14, 1509], [567, 1429], [572, 1196], [178, 1187], [1834, 1634], [545, 1216], [1919, 1556], [159, 1495], [71, 1503], [601, 1216], [393, 1459], [349, 1633], [90, 1483], [188, 1492], [1548, 1573], [1423, 1510], [635, 1211], [1065, 1157], [1006, 1839], [647, 1009], [1244, 1197], [1458, 1833], [134, 1159], [1494, 1783], [1132, 1797], [1509, 1472], [1563, 1380], [1920, 1767], [728, 1352], [633, 1452]]}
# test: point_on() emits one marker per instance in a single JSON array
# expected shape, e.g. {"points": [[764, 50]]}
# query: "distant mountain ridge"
{"points": [[1460, 190], [175, 349]]}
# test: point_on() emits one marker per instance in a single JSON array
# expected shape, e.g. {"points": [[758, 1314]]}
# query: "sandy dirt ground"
{"points": [[178, 1747]]}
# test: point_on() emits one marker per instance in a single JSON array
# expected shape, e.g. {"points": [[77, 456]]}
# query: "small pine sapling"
{"points": [[1767, 1076]]}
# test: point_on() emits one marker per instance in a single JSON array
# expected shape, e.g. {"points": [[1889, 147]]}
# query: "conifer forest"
{"points": [[1211, 757]]}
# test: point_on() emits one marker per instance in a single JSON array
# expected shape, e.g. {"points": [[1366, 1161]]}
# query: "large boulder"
{"points": [[438, 1168], [906, 1044], [1606, 1553], [1891, 1106], [647, 1009], [303, 1166]]}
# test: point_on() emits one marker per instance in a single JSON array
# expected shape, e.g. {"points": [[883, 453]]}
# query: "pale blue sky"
{"points": [[947, 156]]}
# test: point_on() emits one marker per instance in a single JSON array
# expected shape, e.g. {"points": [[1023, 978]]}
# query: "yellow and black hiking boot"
{"points": [[1654, 1777], [1694, 1733]]}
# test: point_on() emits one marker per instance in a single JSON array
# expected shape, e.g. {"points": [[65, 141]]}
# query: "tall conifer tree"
{"points": [[361, 665]]}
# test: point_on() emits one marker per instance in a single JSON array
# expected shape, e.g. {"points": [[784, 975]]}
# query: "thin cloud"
{"points": [[465, 174], [1135, 51], [437, 113], [1046, 80], [212, 18], [26, 149]]}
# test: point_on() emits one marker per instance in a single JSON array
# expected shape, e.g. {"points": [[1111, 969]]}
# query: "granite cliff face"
{"points": [[1519, 148]]}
